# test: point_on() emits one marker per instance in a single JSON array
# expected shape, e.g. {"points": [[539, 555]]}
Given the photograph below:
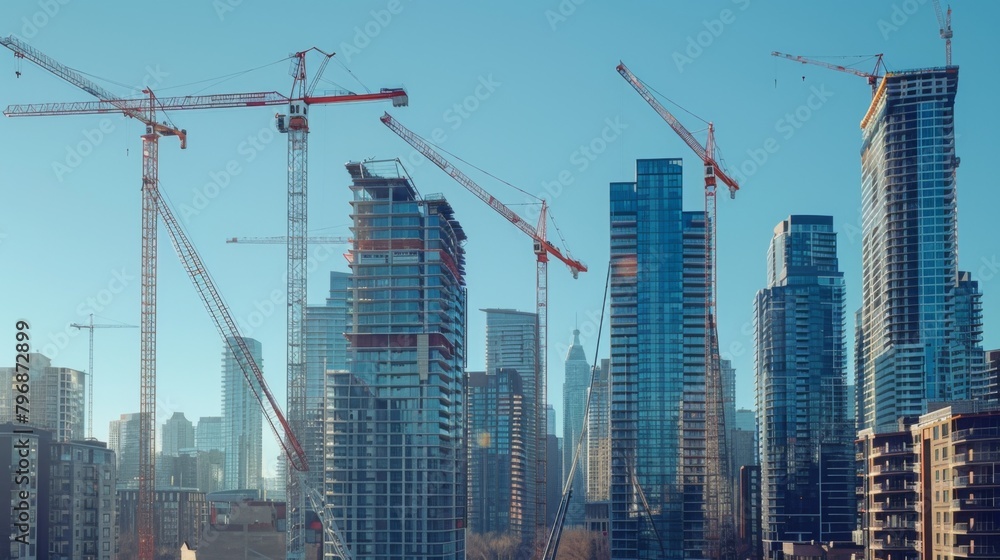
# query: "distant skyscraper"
{"points": [[992, 375], [242, 422], [512, 342], [911, 345], [57, 398], [178, 433], [395, 427], [495, 430], [208, 434], [124, 441], [575, 386], [326, 349], [599, 436], [807, 475], [658, 297]]}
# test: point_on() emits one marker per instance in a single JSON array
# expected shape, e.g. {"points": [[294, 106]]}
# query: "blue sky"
{"points": [[525, 90]]}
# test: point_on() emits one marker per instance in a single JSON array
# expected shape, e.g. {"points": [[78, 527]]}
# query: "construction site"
{"points": [[371, 399]]}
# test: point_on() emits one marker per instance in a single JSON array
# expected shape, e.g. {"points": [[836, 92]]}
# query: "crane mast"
{"points": [[542, 249], [720, 527], [945, 29], [145, 112], [295, 124], [90, 372]]}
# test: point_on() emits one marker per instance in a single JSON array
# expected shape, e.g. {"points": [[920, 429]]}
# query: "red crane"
{"points": [[719, 498], [295, 124], [542, 248], [143, 110], [872, 77]]}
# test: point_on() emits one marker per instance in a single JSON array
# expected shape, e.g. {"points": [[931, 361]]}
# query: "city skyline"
{"points": [[773, 88]]}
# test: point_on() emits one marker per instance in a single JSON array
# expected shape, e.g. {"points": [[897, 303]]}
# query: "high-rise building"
{"points": [[575, 386], [930, 488], [123, 439], [658, 298], [911, 347], [326, 349], [512, 342], [495, 447], [57, 399], [70, 500], [806, 443], [208, 434], [242, 422], [599, 436], [992, 375], [178, 434], [396, 483]]}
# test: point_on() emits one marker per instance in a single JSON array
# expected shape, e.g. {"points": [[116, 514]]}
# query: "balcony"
{"points": [[975, 433], [972, 503], [895, 486], [891, 450], [981, 480], [892, 468], [884, 544], [983, 457], [987, 527], [975, 552], [883, 525], [894, 506]]}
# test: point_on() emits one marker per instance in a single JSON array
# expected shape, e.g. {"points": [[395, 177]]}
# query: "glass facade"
{"points": [[807, 477], [512, 342], [910, 347], [577, 381], [242, 422], [395, 476], [496, 452], [658, 289]]}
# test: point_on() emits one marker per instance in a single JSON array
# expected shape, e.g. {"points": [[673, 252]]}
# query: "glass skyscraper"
{"points": [[806, 443], [512, 342], [242, 422], [496, 454], [575, 386], [396, 480], [658, 295], [910, 347], [326, 350]]}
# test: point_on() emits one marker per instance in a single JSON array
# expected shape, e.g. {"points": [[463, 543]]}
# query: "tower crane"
{"points": [[143, 110], [543, 249], [283, 240], [295, 123], [945, 29], [872, 77], [719, 498], [90, 371]]}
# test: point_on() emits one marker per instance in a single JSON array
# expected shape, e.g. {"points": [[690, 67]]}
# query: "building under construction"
{"points": [[395, 485], [918, 338]]}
